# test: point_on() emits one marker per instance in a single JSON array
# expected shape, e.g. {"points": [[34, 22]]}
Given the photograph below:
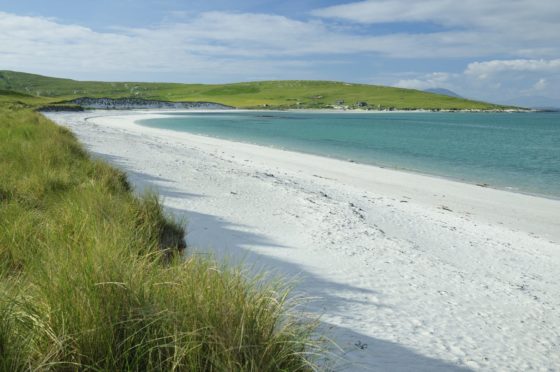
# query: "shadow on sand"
{"points": [[219, 238]]}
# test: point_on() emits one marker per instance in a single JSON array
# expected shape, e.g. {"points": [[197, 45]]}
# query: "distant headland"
{"points": [[57, 93]]}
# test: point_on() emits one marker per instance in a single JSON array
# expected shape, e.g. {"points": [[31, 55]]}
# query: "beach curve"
{"points": [[408, 270]]}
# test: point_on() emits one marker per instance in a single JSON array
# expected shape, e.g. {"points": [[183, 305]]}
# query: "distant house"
{"points": [[340, 102], [362, 104]]}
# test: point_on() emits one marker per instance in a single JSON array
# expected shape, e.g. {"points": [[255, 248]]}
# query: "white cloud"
{"points": [[492, 14], [433, 80], [540, 85], [234, 45], [483, 70], [214, 44], [496, 80], [523, 28]]}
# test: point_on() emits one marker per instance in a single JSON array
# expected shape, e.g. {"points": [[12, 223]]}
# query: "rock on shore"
{"points": [[139, 103]]}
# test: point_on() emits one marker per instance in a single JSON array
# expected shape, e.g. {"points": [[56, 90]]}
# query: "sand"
{"points": [[408, 272]]}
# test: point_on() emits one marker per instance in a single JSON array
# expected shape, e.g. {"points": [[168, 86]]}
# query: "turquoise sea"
{"points": [[515, 151]]}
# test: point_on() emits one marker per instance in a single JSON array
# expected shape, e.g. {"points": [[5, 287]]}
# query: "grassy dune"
{"points": [[273, 94], [90, 278]]}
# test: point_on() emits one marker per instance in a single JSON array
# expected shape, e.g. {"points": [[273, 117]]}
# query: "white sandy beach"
{"points": [[409, 272]]}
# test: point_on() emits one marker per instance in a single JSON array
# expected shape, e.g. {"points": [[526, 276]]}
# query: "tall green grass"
{"points": [[91, 278]]}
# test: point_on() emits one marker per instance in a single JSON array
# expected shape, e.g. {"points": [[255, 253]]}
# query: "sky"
{"points": [[493, 50]]}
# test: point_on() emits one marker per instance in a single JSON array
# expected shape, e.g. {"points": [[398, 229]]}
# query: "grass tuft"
{"points": [[91, 277]]}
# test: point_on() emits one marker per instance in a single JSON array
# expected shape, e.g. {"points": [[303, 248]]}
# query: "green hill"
{"points": [[270, 94]]}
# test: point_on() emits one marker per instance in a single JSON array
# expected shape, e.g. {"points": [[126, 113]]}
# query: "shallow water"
{"points": [[515, 151]]}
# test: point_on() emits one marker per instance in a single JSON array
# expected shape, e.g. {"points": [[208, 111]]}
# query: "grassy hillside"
{"points": [[89, 278], [11, 97], [272, 94]]}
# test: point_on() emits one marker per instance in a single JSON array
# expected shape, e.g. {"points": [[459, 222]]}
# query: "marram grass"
{"points": [[90, 279]]}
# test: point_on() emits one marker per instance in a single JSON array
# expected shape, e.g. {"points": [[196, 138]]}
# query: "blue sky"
{"points": [[495, 50]]}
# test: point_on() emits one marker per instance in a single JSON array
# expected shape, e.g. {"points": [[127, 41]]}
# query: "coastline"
{"points": [[223, 108], [426, 271], [478, 183]]}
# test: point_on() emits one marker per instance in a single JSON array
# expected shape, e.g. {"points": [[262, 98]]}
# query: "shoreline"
{"points": [[350, 161], [403, 176], [162, 114], [428, 273], [308, 110]]}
